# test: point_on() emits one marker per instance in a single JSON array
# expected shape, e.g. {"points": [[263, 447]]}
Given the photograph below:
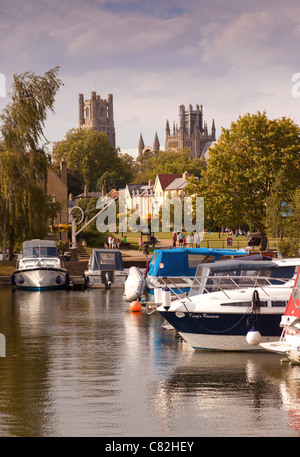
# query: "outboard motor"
{"points": [[107, 280]]}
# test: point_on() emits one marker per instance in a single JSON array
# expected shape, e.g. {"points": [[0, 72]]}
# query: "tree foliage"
{"points": [[244, 166], [92, 161], [24, 163], [151, 163]]}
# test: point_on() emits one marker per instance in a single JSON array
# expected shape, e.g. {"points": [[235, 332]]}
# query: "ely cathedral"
{"points": [[97, 114], [191, 133]]}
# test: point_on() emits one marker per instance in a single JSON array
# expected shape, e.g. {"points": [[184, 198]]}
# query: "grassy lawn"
{"points": [[210, 240], [7, 267]]}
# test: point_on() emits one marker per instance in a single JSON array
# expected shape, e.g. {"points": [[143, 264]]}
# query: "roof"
{"points": [[166, 179], [205, 152], [136, 188], [177, 184]]}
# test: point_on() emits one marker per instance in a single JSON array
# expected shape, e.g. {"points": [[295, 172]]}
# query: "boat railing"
{"points": [[208, 284]]}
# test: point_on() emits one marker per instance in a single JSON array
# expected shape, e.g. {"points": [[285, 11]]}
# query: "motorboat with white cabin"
{"points": [[174, 266], [40, 267], [105, 269], [233, 305], [289, 342]]}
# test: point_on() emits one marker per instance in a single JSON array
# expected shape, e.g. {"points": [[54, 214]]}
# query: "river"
{"points": [[80, 364]]}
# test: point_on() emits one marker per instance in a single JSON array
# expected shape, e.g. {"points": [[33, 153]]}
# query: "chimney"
{"points": [[63, 171], [185, 175]]}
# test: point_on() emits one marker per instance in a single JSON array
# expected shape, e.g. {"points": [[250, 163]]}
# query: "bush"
{"points": [[289, 247], [95, 239]]}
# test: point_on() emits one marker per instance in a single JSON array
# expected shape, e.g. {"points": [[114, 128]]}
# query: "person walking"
{"points": [[174, 239], [181, 239], [140, 243]]}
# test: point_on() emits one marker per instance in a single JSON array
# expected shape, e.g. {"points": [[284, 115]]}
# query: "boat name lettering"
{"points": [[204, 315]]}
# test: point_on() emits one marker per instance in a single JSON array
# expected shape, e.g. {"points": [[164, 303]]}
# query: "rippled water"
{"points": [[78, 363]]}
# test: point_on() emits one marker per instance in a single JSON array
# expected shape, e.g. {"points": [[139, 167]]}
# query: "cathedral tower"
{"points": [[97, 114], [192, 133]]}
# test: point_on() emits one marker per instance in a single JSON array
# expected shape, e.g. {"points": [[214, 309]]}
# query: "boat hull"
{"points": [[41, 278], [224, 332], [98, 280]]}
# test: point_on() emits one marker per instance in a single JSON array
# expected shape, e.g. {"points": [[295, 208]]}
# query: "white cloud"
{"points": [[232, 57]]}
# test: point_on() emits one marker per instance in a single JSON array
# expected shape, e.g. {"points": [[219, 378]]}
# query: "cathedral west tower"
{"points": [[97, 114]]}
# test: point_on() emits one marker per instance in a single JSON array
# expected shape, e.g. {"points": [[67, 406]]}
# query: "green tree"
{"points": [[152, 163], [23, 162], [243, 167], [89, 155], [283, 221]]}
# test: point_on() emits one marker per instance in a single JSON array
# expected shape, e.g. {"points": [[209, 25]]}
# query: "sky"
{"points": [[231, 56]]}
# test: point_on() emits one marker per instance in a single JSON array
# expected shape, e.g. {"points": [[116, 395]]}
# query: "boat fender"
{"points": [[253, 337], [13, 280], [166, 298], [21, 280], [135, 306], [58, 279]]}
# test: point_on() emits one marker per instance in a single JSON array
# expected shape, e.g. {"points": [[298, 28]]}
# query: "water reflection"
{"points": [[81, 364]]}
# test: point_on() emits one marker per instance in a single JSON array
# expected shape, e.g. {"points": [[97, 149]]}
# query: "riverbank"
{"points": [[132, 257], [75, 269]]}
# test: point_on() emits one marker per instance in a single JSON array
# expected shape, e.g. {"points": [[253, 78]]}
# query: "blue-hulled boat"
{"points": [[174, 267]]}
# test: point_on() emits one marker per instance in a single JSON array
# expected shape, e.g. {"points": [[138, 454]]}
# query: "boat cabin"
{"points": [[232, 274], [106, 259], [39, 248]]}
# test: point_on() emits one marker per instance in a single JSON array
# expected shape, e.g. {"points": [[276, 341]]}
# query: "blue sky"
{"points": [[232, 57]]}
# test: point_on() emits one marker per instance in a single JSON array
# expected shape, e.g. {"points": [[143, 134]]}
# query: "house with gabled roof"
{"points": [[169, 185], [147, 198]]}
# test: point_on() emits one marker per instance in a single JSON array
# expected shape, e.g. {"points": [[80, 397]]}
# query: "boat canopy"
{"points": [[39, 248], [106, 259], [246, 273], [239, 265], [184, 261]]}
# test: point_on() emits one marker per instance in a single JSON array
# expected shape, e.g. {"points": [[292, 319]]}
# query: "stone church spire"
{"points": [[156, 144], [141, 145]]}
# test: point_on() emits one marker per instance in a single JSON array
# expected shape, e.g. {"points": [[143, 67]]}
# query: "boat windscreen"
{"points": [[106, 261], [39, 251], [216, 279]]}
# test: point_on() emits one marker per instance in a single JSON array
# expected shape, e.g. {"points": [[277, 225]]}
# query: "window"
{"points": [[245, 303]]}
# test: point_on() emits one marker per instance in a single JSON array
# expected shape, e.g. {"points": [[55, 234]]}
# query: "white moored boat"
{"points": [[233, 305], [105, 269], [289, 342], [40, 268]]}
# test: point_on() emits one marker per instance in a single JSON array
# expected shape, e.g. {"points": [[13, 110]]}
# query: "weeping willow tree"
{"points": [[24, 203]]}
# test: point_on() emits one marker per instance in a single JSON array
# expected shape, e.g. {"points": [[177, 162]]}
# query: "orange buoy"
{"points": [[135, 306]]}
